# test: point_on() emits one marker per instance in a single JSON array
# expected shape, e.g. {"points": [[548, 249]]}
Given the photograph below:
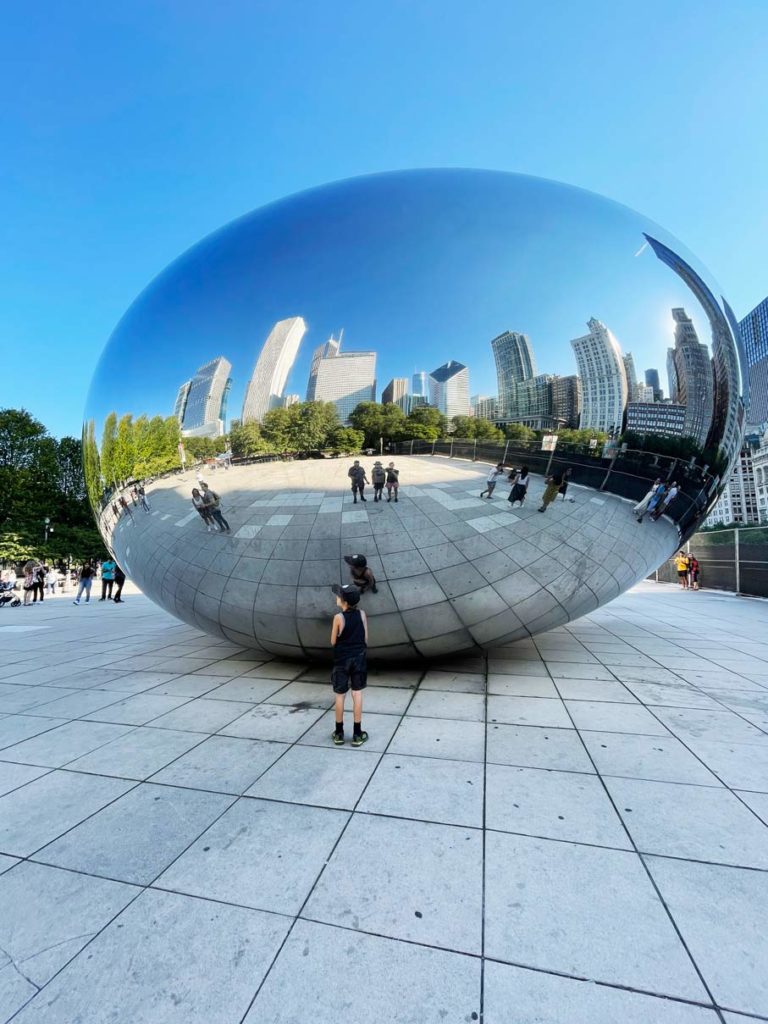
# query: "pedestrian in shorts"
{"points": [[349, 639]]}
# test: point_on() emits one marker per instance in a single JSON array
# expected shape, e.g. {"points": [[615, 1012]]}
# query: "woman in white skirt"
{"points": [[642, 506]]}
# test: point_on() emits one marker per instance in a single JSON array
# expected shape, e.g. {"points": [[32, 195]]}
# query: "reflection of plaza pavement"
{"points": [[454, 570]]}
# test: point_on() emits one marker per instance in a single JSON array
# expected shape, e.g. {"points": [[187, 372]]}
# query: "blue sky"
{"points": [[128, 133]]}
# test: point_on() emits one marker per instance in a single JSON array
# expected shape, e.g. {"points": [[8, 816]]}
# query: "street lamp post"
{"points": [[48, 529]]}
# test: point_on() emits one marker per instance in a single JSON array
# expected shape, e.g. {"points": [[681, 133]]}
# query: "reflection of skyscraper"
{"points": [[395, 391], [629, 369], [754, 336], [532, 402], [277, 356], [691, 381], [344, 378], [484, 407], [326, 351], [664, 419], [449, 389], [206, 407], [419, 384], [180, 406], [566, 401], [515, 362], [652, 381], [603, 379]]}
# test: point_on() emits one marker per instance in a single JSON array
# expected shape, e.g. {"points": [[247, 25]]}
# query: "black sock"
{"points": [[340, 728], [358, 728]]}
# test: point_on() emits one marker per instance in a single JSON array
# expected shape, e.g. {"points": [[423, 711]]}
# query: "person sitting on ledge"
{"points": [[362, 575]]}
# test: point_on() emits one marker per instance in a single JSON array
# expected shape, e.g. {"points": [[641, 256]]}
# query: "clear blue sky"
{"points": [[128, 132]]}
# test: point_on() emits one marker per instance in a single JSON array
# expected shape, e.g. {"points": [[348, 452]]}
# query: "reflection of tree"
{"points": [[476, 428], [132, 449], [91, 464]]}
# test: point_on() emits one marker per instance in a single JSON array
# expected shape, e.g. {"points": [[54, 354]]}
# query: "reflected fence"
{"points": [[733, 559], [627, 473]]}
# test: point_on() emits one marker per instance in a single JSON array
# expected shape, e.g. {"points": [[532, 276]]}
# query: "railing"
{"points": [[733, 559], [627, 474]]}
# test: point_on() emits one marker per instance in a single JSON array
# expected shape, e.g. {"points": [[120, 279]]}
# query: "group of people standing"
{"points": [[556, 483], [688, 570], [208, 505], [380, 478], [656, 501], [112, 576]]}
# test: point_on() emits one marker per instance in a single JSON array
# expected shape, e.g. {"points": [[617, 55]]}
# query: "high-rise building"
{"points": [[629, 369], [277, 356], [449, 389], [180, 406], [738, 502], [603, 379], [483, 407], [664, 419], [420, 384], [644, 393], [754, 335], [566, 402], [344, 378], [515, 362], [394, 391], [652, 381], [326, 351], [691, 382], [205, 412], [532, 402], [289, 400], [760, 467]]}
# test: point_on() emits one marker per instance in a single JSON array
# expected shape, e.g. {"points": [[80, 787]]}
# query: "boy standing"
{"points": [[349, 639]]}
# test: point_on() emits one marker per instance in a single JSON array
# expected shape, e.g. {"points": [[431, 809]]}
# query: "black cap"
{"points": [[346, 592], [358, 561]]}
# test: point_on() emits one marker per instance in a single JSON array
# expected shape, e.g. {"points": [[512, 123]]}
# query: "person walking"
{"points": [[492, 480], [357, 476], [361, 573], [520, 483], [378, 477], [51, 579], [642, 506], [666, 501], [84, 583], [107, 578], [212, 502], [204, 511], [393, 481], [29, 582], [349, 640], [119, 581], [552, 489], [143, 499], [125, 506], [563, 488], [681, 564]]}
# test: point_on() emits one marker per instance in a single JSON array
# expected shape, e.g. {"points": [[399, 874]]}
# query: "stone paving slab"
{"points": [[571, 831]]}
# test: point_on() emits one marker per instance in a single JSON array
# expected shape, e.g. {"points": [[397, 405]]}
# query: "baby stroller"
{"points": [[8, 596]]}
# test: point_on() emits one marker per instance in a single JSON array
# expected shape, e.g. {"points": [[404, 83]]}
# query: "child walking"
{"points": [[349, 639]]}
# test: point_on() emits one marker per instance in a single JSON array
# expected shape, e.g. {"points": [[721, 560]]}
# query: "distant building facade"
{"points": [[449, 389], [344, 378], [278, 354], [603, 379], [566, 402], [180, 405], [754, 336], [665, 419], [515, 363], [652, 381], [484, 407], [760, 468], [420, 384], [205, 411], [629, 370], [691, 380], [739, 502], [326, 351], [394, 391]]}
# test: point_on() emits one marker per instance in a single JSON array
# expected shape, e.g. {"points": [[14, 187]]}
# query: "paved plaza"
{"points": [[574, 831]]}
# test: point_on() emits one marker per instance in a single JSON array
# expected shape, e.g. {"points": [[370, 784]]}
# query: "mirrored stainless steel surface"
{"points": [[467, 295]]}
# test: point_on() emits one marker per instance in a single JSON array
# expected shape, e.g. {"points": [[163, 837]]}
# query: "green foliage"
{"points": [[569, 436], [303, 427], [378, 421], [346, 439], [518, 432], [470, 427], [245, 440], [677, 447], [204, 447]]}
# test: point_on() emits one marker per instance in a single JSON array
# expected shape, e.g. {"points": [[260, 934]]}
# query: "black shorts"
{"points": [[682, 573], [350, 672]]}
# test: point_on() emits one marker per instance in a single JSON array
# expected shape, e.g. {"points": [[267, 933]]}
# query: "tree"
{"points": [[519, 432], [472, 427], [276, 428], [125, 453], [246, 440], [426, 416], [346, 439], [108, 445]]}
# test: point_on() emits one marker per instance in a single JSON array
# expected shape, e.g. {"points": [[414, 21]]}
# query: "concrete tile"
{"points": [[300, 694], [432, 984], [78, 704], [248, 689], [42, 810], [594, 690], [434, 898], [137, 836], [138, 754], [662, 758], [137, 710], [600, 716], [313, 775], [48, 916], [258, 854], [502, 685], [6, 863], [540, 998], [467, 707], [12, 776], [63, 744], [202, 715], [439, 737], [272, 722], [528, 711], [23, 698], [453, 682], [721, 913], [582, 911], [552, 804], [15, 728], [572, 670], [380, 729], [215, 955], [694, 822], [426, 789], [222, 764], [758, 802], [193, 685], [723, 726], [535, 747]]}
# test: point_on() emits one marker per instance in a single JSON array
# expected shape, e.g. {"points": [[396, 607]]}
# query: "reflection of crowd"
{"points": [[656, 502], [208, 504]]}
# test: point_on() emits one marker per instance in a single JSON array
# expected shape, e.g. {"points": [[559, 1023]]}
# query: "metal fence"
{"points": [[733, 559]]}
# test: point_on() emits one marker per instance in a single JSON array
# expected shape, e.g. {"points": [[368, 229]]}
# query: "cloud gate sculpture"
{"points": [[440, 327]]}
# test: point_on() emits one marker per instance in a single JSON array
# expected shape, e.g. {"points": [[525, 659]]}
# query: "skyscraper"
{"points": [[344, 378], [629, 369], [180, 405], [449, 389], [419, 384], [532, 403], [326, 351], [754, 335], [277, 356], [566, 401], [603, 379], [515, 362], [652, 381], [691, 382], [205, 412], [483, 407], [394, 391]]}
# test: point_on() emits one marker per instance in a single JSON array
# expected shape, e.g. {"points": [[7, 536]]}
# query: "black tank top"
{"points": [[352, 639]]}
